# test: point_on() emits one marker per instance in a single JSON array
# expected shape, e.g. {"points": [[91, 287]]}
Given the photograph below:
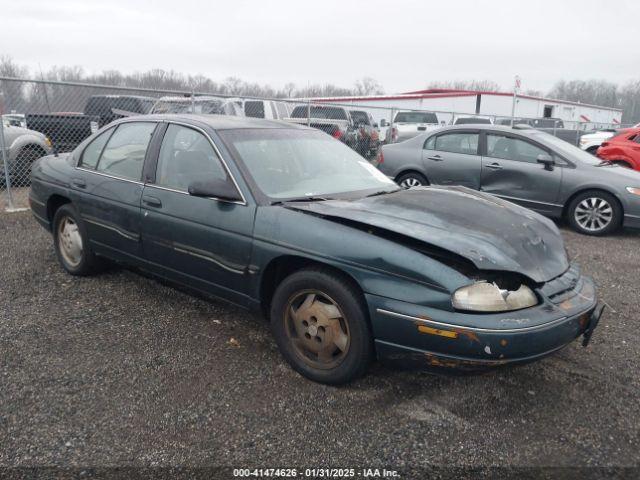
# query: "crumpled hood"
{"points": [[492, 233]]}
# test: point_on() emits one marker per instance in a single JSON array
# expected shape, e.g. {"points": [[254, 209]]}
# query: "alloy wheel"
{"points": [[70, 241], [410, 182], [593, 214], [317, 329]]}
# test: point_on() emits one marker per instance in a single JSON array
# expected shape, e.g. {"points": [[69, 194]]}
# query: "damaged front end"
{"points": [[512, 296], [565, 309]]}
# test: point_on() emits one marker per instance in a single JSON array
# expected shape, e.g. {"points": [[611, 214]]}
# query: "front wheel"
{"points": [[319, 322], [71, 243], [594, 213], [411, 180]]}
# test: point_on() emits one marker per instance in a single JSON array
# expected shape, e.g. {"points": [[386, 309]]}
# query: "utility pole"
{"points": [[516, 89]]}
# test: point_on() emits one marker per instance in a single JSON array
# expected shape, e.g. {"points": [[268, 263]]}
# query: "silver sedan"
{"points": [[525, 166]]}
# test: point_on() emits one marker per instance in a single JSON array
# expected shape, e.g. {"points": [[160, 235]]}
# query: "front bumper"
{"points": [[415, 336]]}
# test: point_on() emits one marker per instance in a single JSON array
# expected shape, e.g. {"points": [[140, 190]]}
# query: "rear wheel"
{"points": [[71, 243], [411, 180], [594, 213], [320, 324]]}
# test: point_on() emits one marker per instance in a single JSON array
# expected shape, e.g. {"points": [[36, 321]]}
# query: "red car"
{"points": [[623, 149]]}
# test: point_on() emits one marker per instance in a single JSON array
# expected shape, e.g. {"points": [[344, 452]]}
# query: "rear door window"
{"points": [[466, 143], [123, 156]]}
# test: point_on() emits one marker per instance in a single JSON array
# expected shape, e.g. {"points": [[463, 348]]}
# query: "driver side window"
{"points": [[186, 155]]}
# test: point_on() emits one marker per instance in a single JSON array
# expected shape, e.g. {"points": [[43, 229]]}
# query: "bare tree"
{"points": [[473, 85], [367, 86]]}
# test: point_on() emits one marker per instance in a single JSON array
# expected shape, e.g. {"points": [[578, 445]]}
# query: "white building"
{"points": [[445, 103]]}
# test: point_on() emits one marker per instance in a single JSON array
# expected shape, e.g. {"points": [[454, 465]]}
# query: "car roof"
{"points": [[216, 122]]}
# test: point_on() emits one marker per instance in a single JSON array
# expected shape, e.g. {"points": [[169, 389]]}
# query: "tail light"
{"points": [[394, 134], [337, 133], [380, 157]]}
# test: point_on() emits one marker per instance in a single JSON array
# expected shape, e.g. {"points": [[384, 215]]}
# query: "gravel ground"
{"points": [[120, 370]]}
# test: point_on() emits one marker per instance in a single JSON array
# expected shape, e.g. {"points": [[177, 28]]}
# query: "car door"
{"points": [[106, 187], [510, 169], [452, 158], [203, 242]]}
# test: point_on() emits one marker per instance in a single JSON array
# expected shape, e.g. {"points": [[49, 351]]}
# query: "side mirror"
{"points": [[375, 125], [216, 188], [546, 160], [383, 123]]}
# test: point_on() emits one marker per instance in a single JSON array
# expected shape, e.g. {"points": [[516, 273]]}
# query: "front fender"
{"points": [[24, 140], [380, 266]]}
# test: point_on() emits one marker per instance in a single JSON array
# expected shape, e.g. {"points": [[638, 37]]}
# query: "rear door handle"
{"points": [[494, 166], [151, 201], [78, 182], [436, 158]]}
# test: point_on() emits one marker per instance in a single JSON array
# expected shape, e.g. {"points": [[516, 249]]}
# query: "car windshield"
{"points": [[472, 120], [360, 117], [416, 117], [292, 163], [187, 106], [331, 113], [566, 149]]}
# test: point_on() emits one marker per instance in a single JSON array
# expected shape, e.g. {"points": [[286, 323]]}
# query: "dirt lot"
{"points": [[120, 370]]}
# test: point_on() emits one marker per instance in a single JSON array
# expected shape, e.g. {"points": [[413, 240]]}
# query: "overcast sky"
{"points": [[403, 44]]}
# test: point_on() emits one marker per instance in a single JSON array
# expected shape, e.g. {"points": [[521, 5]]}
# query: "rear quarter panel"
{"points": [[402, 157]]}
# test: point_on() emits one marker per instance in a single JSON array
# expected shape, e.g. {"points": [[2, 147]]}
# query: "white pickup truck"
{"points": [[410, 124], [336, 121], [592, 141]]}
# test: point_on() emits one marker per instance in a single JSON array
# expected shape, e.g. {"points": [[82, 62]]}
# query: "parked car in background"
{"points": [[336, 121], [541, 123], [14, 120], [67, 129], [590, 142], [269, 109], [22, 148], [368, 140], [407, 125], [622, 149], [471, 120], [346, 266], [528, 167], [198, 105]]}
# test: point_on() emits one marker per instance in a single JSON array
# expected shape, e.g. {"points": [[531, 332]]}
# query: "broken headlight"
{"points": [[489, 297]]}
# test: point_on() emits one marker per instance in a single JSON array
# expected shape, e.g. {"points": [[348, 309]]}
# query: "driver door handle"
{"points": [[494, 166], [436, 158], [151, 201]]}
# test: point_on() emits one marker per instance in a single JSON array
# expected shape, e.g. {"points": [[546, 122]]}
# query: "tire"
{"points": [[594, 213], [592, 150], [411, 179], [68, 230], [329, 340], [21, 174]]}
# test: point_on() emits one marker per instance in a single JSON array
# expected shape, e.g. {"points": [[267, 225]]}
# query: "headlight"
{"points": [[488, 297], [634, 190]]}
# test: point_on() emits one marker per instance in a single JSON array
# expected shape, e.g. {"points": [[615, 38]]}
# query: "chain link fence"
{"points": [[51, 117]]}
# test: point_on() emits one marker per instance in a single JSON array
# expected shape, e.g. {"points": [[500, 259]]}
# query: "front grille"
{"points": [[563, 287]]}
